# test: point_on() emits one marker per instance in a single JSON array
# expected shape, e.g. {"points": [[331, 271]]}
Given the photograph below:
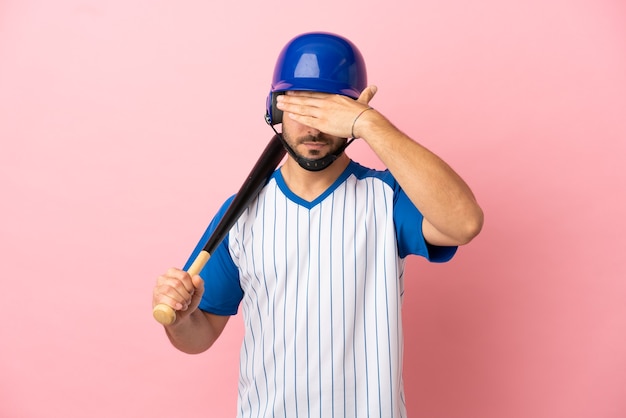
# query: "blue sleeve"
{"points": [[408, 220], [222, 292]]}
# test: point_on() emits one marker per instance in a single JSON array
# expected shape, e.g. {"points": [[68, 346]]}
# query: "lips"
{"points": [[317, 144], [315, 147]]}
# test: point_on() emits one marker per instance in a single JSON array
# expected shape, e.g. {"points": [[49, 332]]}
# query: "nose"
{"points": [[312, 131]]}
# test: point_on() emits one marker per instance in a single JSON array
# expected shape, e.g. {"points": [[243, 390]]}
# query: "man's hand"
{"points": [[332, 114], [177, 289]]}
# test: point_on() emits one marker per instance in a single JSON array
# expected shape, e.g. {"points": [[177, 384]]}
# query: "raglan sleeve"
{"points": [[222, 291], [410, 237]]}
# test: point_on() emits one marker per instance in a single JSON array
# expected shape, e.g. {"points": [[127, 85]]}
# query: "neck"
{"points": [[310, 184]]}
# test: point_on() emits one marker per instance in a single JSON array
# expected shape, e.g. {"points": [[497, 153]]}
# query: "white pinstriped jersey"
{"points": [[320, 284]]}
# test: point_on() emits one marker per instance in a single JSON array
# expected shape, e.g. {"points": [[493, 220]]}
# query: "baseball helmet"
{"points": [[320, 62]]}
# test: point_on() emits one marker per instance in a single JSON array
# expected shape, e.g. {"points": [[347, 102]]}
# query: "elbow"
{"points": [[460, 229], [186, 347], [472, 227], [191, 350]]}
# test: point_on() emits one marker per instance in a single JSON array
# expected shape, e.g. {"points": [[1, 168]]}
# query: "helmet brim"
{"points": [[315, 85]]}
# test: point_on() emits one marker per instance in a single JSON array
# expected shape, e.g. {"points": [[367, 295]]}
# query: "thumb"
{"points": [[368, 94]]}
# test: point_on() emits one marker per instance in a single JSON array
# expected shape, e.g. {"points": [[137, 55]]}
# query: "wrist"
{"points": [[356, 119], [371, 124]]}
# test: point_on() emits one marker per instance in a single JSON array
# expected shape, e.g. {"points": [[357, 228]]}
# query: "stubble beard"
{"points": [[315, 153]]}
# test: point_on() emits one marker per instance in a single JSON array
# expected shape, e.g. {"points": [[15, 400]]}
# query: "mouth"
{"points": [[314, 146]]}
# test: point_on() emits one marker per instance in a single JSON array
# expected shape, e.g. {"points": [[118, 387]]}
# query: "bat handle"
{"points": [[165, 314]]}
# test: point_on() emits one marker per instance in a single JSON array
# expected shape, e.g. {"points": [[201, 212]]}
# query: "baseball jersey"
{"points": [[320, 285]]}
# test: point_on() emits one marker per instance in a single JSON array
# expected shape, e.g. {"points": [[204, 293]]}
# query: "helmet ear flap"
{"points": [[273, 115]]}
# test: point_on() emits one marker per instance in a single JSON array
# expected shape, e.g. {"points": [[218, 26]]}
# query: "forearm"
{"points": [[442, 196], [196, 333]]}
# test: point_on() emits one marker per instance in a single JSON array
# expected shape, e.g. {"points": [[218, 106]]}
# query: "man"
{"points": [[317, 260]]}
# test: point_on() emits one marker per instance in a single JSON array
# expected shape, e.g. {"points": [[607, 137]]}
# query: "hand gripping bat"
{"points": [[262, 170]]}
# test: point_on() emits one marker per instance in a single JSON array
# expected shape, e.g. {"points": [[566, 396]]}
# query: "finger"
{"points": [[311, 99], [198, 284], [368, 94], [182, 276], [293, 106], [199, 291], [305, 93], [162, 298], [174, 291]]}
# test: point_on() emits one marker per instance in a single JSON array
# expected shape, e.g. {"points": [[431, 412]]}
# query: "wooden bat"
{"points": [[262, 170]]}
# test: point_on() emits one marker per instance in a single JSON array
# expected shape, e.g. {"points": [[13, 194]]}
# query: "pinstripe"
{"points": [[263, 240], [242, 380], [356, 395], [286, 258], [249, 361], [365, 280], [376, 279], [322, 289], [343, 303], [267, 295], [275, 272], [389, 342], [319, 317], [308, 357], [331, 304], [295, 352], [254, 260]]}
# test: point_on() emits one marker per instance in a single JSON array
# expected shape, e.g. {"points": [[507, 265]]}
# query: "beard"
{"points": [[332, 143]]}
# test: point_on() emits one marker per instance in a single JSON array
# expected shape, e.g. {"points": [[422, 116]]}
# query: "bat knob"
{"points": [[164, 314]]}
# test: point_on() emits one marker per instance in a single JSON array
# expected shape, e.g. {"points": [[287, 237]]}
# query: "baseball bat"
{"points": [[260, 173]]}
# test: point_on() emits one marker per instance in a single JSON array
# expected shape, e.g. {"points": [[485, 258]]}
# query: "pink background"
{"points": [[125, 124]]}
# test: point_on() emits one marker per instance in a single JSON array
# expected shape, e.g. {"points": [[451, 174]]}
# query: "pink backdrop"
{"points": [[124, 124]]}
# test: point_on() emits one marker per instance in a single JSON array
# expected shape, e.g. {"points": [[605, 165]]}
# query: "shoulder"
{"points": [[361, 172]]}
